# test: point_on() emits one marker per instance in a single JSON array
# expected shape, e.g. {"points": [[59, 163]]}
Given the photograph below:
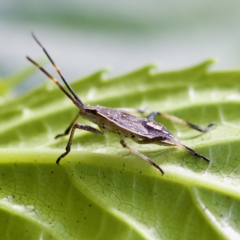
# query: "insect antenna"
{"points": [[58, 71], [75, 101]]}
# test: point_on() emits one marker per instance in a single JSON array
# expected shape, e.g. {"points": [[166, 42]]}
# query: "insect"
{"points": [[119, 121]]}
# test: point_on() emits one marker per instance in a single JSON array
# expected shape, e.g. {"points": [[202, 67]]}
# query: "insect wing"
{"points": [[134, 124]]}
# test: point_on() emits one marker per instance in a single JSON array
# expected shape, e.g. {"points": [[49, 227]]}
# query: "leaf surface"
{"points": [[101, 189]]}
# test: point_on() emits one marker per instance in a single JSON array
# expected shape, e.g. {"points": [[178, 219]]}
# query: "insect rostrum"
{"points": [[141, 130]]}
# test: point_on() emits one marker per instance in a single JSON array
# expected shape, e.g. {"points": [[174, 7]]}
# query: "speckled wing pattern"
{"points": [[138, 125]]}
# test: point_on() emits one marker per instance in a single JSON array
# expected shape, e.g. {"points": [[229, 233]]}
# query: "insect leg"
{"points": [[178, 144], [134, 110], [190, 150], [125, 145], [180, 121], [69, 128], [79, 126]]}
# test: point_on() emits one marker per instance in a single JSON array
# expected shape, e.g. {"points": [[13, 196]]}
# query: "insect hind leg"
{"points": [[190, 150], [177, 144], [180, 121]]}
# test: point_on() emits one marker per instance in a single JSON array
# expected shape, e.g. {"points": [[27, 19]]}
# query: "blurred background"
{"points": [[85, 36]]}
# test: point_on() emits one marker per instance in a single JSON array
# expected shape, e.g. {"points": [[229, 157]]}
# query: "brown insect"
{"points": [[119, 121]]}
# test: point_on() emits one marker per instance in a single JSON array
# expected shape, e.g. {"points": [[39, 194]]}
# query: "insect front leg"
{"points": [[125, 145], [79, 126], [69, 128], [180, 121]]}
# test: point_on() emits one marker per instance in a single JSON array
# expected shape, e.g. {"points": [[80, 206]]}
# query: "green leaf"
{"points": [[7, 84], [101, 190]]}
